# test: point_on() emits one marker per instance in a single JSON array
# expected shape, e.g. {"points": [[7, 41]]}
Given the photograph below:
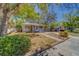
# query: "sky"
{"points": [[61, 10]]}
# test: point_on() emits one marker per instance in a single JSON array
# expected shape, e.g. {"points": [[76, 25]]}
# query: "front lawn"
{"points": [[37, 41]]}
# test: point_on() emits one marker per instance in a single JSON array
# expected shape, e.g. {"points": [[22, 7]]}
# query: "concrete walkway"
{"points": [[52, 37]]}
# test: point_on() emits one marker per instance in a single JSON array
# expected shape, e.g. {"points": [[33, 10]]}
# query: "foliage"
{"points": [[14, 45], [51, 17], [7, 11], [76, 21], [23, 11], [44, 9], [53, 25], [19, 28], [18, 24], [27, 11], [42, 6], [72, 21]]}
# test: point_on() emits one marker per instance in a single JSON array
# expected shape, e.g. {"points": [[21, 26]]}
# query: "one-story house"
{"points": [[34, 27]]}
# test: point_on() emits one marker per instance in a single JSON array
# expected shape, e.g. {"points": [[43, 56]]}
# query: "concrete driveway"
{"points": [[69, 47]]}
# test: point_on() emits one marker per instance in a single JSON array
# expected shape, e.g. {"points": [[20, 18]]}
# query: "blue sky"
{"points": [[61, 10]]}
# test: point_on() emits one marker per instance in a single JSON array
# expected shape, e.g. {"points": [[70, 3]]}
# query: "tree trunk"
{"points": [[3, 27]]}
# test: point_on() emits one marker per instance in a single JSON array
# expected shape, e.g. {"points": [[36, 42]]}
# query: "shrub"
{"points": [[63, 33], [19, 28], [14, 45]]}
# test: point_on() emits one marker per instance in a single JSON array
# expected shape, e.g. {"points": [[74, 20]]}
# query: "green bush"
{"points": [[14, 45], [19, 28]]}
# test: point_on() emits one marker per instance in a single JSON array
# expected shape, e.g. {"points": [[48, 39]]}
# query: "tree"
{"points": [[18, 10], [51, 17], [27, 11], [7, 10], [44, 10], [71, 20], [53, 25]]}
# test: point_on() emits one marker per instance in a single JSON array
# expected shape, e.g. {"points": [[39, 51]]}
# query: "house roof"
{"points": [[34, 24]]}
